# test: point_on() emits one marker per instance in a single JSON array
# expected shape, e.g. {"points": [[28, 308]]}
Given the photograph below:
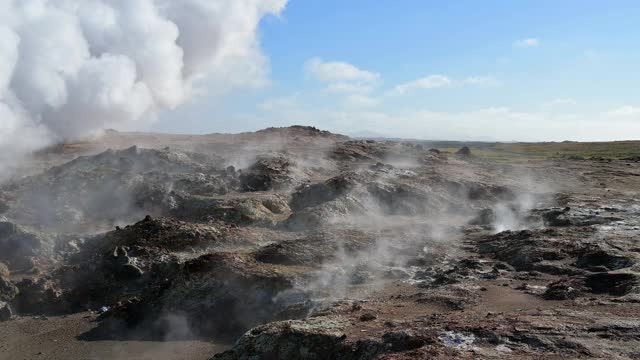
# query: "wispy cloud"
{"points": [[338, 72], [479, 80], [527, 43], [349, 88], [429, 82], [441, 81]]}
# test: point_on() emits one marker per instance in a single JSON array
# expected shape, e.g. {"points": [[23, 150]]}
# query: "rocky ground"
{"points": [[296, 243]]}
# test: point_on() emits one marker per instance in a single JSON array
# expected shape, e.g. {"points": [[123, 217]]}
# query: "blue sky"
{"points": [[492, 70]]}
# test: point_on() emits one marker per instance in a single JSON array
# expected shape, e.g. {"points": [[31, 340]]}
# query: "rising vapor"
{"points": [[71, 67]]}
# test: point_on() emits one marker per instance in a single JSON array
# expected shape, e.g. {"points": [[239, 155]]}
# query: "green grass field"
{"points": [[547, 151]]}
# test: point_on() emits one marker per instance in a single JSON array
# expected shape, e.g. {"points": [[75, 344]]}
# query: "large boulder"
{"points": [[22, 248], [308, 196], [399, 199], [609, 259], [527, 250], [267, 173], [313, 249], [617, 283], [266, 210], [225, 293], [220, 294], [464, 151], [565, 289], [322, 337], [312, 339], [127, 262], [40, 296]]}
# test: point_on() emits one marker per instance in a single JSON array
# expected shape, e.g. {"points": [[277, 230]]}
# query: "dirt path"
{"points": [[57, 337]]}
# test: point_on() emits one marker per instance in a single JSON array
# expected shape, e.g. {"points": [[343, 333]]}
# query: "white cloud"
{"points": [[336, 72], [561, 102], [441, 81], [349, 88], [526, 43], [346, 80], [480, 80], [429, 82]]}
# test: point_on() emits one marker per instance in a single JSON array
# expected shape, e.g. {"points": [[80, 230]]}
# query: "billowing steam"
{"points": [[71, 67]]}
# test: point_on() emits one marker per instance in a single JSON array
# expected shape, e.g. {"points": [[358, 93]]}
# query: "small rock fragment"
{"points": [[368, 317]]}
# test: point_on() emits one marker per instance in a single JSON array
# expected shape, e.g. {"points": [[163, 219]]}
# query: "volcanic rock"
{"points": [[314, 237], [103, 189], [601, 258], [5, 311], [8, 290], [313, 339], [313, 195], [313, 249], [367, 317], [564, 289], [403, 340], [613, 283], [23, 248], [267, 210], [267, 173], [40, 296], [464, 151]]}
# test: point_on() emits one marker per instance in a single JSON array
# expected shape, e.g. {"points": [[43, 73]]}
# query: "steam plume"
{"points": [[71, 67]]}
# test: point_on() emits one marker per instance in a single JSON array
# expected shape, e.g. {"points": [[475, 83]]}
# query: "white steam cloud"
{"points": [[71, 67]]}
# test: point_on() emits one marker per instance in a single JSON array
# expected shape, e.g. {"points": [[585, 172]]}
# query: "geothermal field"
{"points": [[297, 243]]}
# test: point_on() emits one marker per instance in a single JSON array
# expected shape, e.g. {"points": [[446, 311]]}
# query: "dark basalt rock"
{"points": [[5, 311], [320, 338], [464, 151], [316, 194], [556, 217], [8, 290], [602, 258], [368, 317], [265, 174], [613, 283], [565, 289], [22, 247], [40, 296], [403, 340]]}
